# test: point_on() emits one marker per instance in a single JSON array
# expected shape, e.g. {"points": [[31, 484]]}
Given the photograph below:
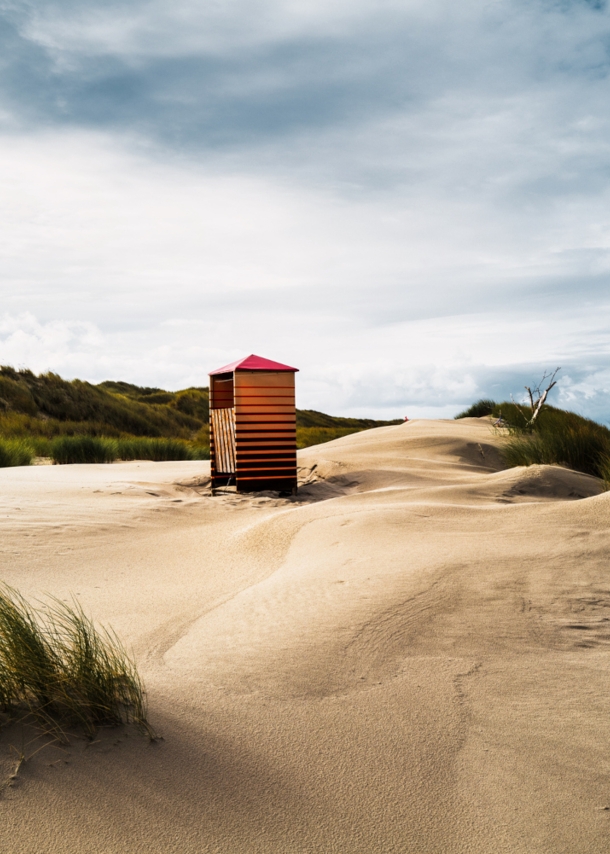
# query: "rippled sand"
{"points": [[411, 656]]}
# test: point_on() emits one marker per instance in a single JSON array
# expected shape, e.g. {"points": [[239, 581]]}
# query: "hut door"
{"points": [[223, 428]]}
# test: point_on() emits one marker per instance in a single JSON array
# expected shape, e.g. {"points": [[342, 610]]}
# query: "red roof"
{"points": [[253, 363]]}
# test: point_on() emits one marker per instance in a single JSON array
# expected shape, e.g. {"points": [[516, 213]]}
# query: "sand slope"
{"points": [[412, 656]]}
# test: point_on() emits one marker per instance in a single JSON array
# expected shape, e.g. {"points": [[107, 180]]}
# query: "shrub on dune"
{"points": [[56, 666]]}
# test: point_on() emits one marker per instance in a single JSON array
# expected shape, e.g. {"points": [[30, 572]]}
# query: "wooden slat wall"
{"points": [[222, 430], [221, 392], [265, 418]]}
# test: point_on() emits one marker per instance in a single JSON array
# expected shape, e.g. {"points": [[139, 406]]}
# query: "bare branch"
{"points": [[541, 396]]}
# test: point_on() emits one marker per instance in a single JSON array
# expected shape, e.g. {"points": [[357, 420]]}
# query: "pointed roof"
{"points": [[253, 363]]}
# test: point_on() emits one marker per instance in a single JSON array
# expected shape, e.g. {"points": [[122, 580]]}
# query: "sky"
{"points": [[409, 201]]}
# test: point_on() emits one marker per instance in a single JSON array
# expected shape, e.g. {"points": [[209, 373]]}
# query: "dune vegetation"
{"points": [[16, 452], [558, 437], [77, 422], [58, 669], [92, 449], [49, 406]]}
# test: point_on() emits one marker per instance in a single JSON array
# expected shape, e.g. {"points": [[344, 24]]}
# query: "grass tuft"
{"points": [[479, 409], [56, 666], [16, 452], [92, 449], [583, 449], [159, 450], [605, 470], [82, 449]]}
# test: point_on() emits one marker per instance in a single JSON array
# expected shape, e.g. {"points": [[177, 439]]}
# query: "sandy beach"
{"points": [[412, 655]]}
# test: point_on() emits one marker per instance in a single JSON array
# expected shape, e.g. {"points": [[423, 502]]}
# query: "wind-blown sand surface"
{"points": [[412, 656]]}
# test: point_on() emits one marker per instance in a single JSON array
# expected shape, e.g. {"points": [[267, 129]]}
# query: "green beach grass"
{"points": [[16, 452], [71, 421], [66, 450], [57, 668], [558, 437]]}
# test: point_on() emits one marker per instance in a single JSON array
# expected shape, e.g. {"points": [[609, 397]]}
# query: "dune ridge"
{"points": [[411, 655]]}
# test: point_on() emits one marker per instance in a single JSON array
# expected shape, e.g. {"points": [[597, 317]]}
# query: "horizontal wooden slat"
{"points": [[271, 446], [248, 471], [272, 413], [262, 458], [248, 416], [267, 442], [265, 418], [261, 465], [283, 414], [266, 406], [252, 474], [270, 451], [255, 430], [263, 379], [263, 394], [271, 398], [267, 434], [264, 391]]}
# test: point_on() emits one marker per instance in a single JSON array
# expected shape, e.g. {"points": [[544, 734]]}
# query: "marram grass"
{"points": [[583, 449], [159, 450], [82, 449], [99, 449], [482, 407], [57, 667], [558, 437], [16, 452]]}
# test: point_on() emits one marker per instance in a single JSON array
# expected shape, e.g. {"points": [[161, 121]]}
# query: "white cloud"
{"points": [[410, 201], [154, 28], [25, 342]]}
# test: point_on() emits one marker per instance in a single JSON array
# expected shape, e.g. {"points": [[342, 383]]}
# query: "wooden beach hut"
{"points": [[253, 443]]}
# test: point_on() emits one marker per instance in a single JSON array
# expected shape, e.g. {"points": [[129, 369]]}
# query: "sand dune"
{"points": [[411, 656]]}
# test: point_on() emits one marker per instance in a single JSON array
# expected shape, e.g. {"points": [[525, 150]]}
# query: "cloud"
{"points": [[25, 342], [409, 200], [204, 75]]}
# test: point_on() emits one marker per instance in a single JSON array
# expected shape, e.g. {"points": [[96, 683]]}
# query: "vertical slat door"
{"points": [[223, 430]]}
